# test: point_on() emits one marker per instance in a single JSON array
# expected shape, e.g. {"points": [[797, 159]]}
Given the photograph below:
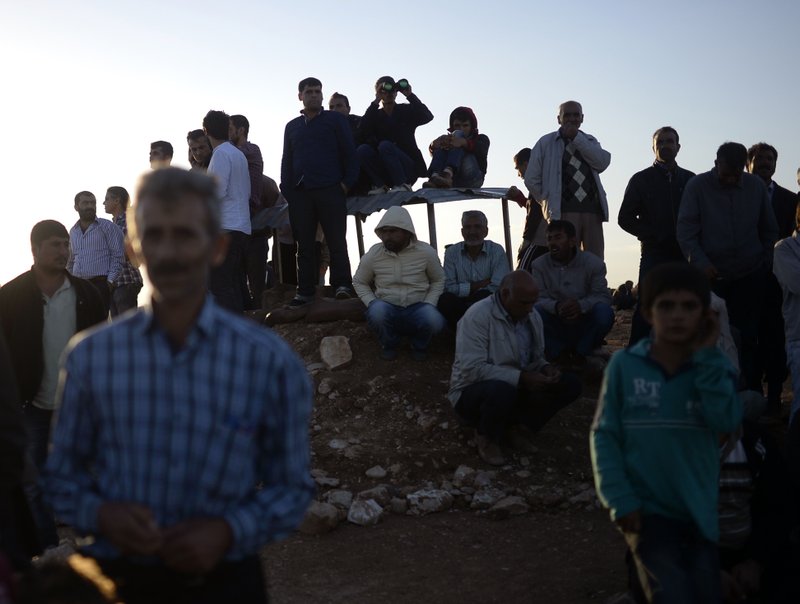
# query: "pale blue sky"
{"points": [[87, 85]]}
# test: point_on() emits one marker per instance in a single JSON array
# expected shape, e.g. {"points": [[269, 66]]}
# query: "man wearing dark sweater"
{"points": [[390, 155], [318, 169]]}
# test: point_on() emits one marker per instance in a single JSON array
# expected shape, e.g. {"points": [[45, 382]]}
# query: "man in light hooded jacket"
{"points": [[399, 281]]}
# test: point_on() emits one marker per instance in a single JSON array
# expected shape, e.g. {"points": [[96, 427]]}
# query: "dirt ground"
{"points": [[395, 414]]}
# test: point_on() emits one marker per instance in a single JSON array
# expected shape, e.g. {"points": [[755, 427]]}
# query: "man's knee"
{"points": [[378, 312], [602, 316], [427, 316], [386, 148]]}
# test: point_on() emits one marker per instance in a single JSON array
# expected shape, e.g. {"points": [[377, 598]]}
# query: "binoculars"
{"points": [[399, 86]]}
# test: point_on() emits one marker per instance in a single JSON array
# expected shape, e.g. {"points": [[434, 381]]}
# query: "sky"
{"points": [[87, 85]]}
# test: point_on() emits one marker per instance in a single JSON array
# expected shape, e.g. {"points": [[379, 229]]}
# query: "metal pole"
{"points": [[507, 231]]}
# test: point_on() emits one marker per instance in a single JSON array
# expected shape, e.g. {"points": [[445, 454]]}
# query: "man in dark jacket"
{"points": [[649, 211], [41, 310], [390, 155]]}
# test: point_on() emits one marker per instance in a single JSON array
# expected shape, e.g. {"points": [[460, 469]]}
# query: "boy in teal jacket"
{"points": [[663, 407]]}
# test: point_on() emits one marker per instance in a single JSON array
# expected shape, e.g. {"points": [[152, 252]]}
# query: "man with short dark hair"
{"points": [[501, 383], [473, 268], [575, 304], [199, 150], [40, 311], [129, 283], [160, 154], [534, 243], [649, 211], [228, 164], [389, 153], [726, 228], [318, 169], [339, 103], [181, 445], [564, 177], [762, 159], [97, 247]]}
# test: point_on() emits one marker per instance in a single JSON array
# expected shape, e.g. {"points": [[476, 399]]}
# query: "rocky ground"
{"points": [[406, 511]]}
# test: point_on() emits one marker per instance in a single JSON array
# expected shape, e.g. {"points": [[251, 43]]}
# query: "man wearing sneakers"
{"points": [[318, 169]]}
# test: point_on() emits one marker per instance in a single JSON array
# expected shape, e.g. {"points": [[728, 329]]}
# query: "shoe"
{"points": [[443, 180], [389, 354], [521, 440], [344, 293], [300, 300], [404, 188], [419, 355], [377, 191], [429, 184], [489, 451]]}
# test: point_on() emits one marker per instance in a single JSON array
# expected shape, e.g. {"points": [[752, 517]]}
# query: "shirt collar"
{"points": [[204, 324]]}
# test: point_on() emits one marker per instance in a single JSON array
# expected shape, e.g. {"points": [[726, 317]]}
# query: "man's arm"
{"points": [[630, 212], [451, 282], [591, 151], [116, 248], [435, 273], [689, 228], [220, 167], [598, 285], [365, 275], [287, 163], [472, 352], [71, 259], [546, 300], [422, 115], [535, 171], [255, 167]]}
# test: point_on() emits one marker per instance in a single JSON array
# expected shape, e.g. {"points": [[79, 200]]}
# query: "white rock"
{"points": [[365, 513], [338, 443], [509, 506], [335, 351], [325, 481], [428, 501], [324, 386], [320, 518], [463, 475], [486, 498], [340, 498], [381, 494], [376, 472], [483, 479]]}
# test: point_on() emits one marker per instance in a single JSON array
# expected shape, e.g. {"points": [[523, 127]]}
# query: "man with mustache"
{"points": [[181, 445], [473, 268], [41, 310], [574, 301]]}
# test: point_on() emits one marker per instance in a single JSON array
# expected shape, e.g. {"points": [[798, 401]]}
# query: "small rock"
{"points": [[365, 513], [340, 498], [314, 367], [524, 461], [325, 481], [483, 479], [380, 494], [444, 425], [395, 468], [483, 500], [398, 505], [429, 501], [524, 474], [426, 422], [317, 472], [585, 496], [335, 351], [463, 475], [376, 472], [338, 443], [320, 518], [324, 386], [508, 506]]}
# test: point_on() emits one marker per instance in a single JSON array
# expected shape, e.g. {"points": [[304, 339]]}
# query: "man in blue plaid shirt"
{"points": [[181, 445]]}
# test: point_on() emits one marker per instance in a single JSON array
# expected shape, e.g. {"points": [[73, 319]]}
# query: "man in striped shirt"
{"points": [[97, 249], [182, 445]]}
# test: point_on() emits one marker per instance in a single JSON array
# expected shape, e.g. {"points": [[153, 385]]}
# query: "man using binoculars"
{"points": [[389, 154]]}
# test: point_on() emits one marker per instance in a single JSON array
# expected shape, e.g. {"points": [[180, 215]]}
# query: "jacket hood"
{"points": [[399, 218], [472, 119]]}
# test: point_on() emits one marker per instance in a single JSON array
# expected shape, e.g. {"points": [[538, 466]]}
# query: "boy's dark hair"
{"points": [[522, 156], [163, 146], [308, 82], [216, 123], [339, 95], [240, 121], [667, 129], [464, 113], [46, 229], [671, 277], [733, 154], [752, 151], [564, 226], [383, 79]]}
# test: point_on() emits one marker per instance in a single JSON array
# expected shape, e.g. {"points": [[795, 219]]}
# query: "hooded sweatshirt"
{"points": [[412, 275]]}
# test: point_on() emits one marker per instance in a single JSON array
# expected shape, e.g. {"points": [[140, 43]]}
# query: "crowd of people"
{"points": [[176, 437]]}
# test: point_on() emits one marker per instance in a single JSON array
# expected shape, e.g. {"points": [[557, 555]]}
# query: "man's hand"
{"points": [[569, 310], [517, 196], [536, 380], [406, 92], [552, 372], [130, 527], [441, 142], [476, 285], [632, 523], [456, 142], [570, 130], [196, 545]]}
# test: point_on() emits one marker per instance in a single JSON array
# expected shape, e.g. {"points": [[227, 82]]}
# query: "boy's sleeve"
{"points": [[719, 404], [606, 443]]}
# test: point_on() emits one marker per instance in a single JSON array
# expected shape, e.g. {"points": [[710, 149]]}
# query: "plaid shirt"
{"points": [[187, 433], [129, 275]]}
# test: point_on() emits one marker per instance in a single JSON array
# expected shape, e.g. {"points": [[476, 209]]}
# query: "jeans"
{"points": [[673, 562], [37, 429], [387, 165], [493, 406], [793, 358], [228, 281], [466, 172], [328, 208], [584, 335], [454, 307], [257, 266], [124, 298], [419, 322]]}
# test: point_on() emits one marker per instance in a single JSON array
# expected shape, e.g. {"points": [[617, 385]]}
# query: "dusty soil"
{"points": [[395, 414]]}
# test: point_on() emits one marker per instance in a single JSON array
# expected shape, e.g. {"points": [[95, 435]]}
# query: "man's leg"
{"points": [[398, 165], [370, 163], [124, 298], [37, 429], [453, 308], [382, 318], [331, 207], [420, 322], [596, 324], [554, 341], [488, 407], [771, 342], [593, 240], [257, 266], [793, 357], [227, 279], [469, 175], [535, 409], [303, 218]]}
